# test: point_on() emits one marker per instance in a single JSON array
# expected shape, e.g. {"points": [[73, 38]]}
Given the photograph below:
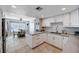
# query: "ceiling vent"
{"points": [[39, 8]]}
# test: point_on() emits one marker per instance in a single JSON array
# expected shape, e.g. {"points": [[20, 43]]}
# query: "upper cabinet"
{"points": [[47, 22], [71, 19], [74, 18], [59, 18], [66, 20]]}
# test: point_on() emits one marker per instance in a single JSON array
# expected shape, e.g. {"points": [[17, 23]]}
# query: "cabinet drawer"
{"points": [[36, 40], [50, 40], [43, 35], [36, 43]]}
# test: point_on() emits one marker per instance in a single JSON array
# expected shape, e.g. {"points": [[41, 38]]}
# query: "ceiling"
{"points": [[29, 10]]}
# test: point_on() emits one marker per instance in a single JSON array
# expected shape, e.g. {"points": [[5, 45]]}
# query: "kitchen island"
{"points": [[54, 39]]}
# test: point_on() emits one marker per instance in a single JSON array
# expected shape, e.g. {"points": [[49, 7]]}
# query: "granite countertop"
{"points": [[61, 34], [36, 33]]}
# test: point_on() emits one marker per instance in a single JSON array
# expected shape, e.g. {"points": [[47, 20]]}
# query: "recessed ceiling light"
{"points": [[63, 9], [13, 6]]}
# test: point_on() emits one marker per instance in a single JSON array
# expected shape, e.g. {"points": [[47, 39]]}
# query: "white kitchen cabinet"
{"points": [[55, 40], [66, 20], [65, 44], [71, 44], [58, 42], [56, 19], [36, 39], [47, 22], [50, 39], [71, 19], [32, 40], [29, 40], [43, 36], [59, 18], [74, 16]]}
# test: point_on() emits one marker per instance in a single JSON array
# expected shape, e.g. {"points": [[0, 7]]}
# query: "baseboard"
{"points": [[54, 46], [48, 44], [37, 45]]}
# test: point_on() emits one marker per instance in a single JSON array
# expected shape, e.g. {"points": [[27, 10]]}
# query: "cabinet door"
{"points": [[59, 18], [43, 36], [74, 19], [66, 20], [55, 41], [50, 39], [35, 41], [58, 42], [29, 40], [46, 22]]}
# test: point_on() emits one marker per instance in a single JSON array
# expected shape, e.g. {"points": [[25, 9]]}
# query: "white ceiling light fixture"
{"points": [[13, 6], [63, 9]]}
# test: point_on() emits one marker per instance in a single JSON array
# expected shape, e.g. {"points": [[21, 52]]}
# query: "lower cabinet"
{"points": [[36, 41], [50, 39], [55, 40], [43, 36], [58, 41], [65, 44], [29, 40]]}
